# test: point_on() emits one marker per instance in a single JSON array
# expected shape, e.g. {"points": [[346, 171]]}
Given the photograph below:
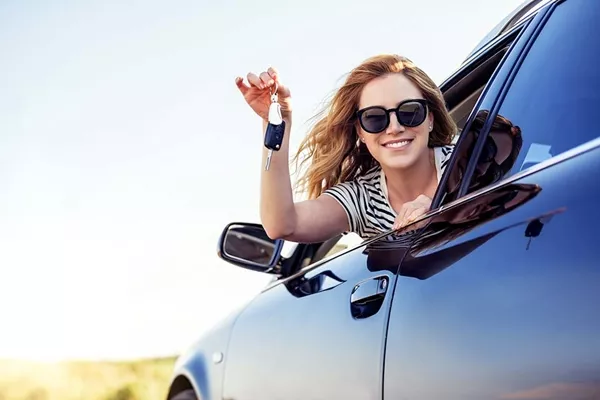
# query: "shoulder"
{"points": [[443, 154], [370, 178], [354, 197], [363, 182], [445, 151]]}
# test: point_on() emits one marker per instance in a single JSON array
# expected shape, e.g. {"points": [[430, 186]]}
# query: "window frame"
{"points": [[493, 95], [542, 17]]}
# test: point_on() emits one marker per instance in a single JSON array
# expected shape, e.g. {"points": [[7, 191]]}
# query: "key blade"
{"points": [[268, 163]]}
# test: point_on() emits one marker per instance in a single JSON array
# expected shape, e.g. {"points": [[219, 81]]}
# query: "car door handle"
{"points": [[367, 297]]}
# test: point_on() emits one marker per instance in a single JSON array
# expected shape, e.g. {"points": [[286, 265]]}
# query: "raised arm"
{"points": [[306, 221]]}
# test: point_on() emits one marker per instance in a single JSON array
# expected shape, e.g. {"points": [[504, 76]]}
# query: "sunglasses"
{"points": [[489, 151], [409, 113]]}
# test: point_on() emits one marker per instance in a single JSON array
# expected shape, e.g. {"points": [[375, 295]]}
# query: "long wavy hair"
{"points": [[332, 148]]}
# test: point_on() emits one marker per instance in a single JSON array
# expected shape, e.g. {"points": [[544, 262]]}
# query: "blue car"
{"points": [[493, 294]]}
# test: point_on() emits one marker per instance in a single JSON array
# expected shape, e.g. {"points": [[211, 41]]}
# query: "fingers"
{"points": [[273, 72], [403, 214], [254, 80], [239, 82], [411, 211], [264, 80], [416, 213], [400, 220], [409, 216]]}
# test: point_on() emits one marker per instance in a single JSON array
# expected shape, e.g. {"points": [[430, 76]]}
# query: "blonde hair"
{"points": [[332, 146]]}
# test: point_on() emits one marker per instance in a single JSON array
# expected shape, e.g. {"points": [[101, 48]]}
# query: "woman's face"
{"points": [[503, 148], [397, 145]]}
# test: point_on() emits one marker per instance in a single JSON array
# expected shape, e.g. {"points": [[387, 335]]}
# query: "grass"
{"points": [[79, 380]]}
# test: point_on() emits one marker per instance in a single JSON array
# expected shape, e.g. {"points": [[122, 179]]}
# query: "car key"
{"points": [[275, 129]]}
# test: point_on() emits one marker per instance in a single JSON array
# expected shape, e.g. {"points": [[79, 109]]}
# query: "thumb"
{"points": [[282, 90]]}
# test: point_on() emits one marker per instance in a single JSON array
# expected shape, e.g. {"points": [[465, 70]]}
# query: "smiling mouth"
{"points": [[397, 144]]}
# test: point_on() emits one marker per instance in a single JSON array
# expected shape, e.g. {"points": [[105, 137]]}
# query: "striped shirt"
{"points": [[365, 199]]}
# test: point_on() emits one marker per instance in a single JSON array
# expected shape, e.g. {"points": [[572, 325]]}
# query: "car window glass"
{"points": [[550, 105], [496, 159]]}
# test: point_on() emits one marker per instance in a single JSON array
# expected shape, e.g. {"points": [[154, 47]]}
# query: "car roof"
{"points": [[525, 11]]}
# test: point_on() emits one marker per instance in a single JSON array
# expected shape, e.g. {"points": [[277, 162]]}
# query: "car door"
{"points": [[498, 298], [316, 335]]}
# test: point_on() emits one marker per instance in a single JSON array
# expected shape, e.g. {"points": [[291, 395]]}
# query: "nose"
{"points": [[394, 126]]}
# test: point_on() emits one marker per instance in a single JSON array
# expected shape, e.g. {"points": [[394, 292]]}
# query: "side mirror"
{"points": [[247, 245]]}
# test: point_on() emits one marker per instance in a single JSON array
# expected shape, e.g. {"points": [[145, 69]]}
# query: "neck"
{"points": [[407, 184]]}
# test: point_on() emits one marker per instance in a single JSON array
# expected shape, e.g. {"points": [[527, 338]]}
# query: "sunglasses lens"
{"points": [[374, 120], [411, 114], [489, 151]]}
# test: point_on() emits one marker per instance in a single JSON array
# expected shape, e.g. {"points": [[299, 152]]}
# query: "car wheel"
{"points": [[186, 395]]}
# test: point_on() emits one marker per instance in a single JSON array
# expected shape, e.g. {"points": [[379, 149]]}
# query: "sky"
{"points": [[125, 148]]}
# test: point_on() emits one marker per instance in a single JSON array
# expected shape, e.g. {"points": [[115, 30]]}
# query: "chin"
{"points": [[400, 160]]}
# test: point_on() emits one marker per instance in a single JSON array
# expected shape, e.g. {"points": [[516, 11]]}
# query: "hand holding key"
{"points": [[258, 93]]}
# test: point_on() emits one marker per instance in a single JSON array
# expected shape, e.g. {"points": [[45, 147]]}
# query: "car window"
{"points": [[553, 99], [461, 92], [462, 96]]}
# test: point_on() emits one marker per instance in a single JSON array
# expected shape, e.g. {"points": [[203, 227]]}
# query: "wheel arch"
{"points": [[180, 384]]}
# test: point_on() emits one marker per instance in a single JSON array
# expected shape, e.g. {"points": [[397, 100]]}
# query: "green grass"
{"points": [[85, 380]]}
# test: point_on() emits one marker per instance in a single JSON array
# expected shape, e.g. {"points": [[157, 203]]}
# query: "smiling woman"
{"points": [[375, 156]]}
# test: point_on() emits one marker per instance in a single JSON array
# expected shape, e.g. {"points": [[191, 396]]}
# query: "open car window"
{"points": [[549, 104], [464, 93], [545, 106], [461, 92], [463, 89]]}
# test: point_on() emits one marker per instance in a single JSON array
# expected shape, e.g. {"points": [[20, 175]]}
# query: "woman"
{"points": [[371, 169]]}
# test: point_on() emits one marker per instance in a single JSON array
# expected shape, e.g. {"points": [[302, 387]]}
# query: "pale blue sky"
{"points": [[125, 148]]}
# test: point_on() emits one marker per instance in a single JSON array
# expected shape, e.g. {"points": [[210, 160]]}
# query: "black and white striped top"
{"points": [[366, 202]]}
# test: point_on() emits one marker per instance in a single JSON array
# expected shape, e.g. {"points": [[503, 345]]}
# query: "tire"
{"points": [[185, 395]]}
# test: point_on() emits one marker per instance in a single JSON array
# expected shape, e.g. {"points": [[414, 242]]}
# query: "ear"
{"points": [[359, 133], [431, 120]]}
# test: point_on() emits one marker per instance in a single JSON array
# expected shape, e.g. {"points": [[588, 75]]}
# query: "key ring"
{"points": [[275, 91]]}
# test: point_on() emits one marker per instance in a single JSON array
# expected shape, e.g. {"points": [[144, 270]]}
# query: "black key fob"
{"points": [[274, 136]]}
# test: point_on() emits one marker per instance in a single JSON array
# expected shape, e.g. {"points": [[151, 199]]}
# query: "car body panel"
{"points": [[504, 307], [300, 340], [499, 296], [202, 365]]}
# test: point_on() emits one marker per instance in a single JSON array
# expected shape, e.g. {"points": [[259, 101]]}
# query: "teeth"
{"points": [[398, 144]]}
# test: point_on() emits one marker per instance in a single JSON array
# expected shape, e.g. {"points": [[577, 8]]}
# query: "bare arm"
{"points": [[306, 221]]}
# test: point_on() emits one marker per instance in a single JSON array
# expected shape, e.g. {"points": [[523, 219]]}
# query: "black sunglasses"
{"points": [[409, 113]]}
